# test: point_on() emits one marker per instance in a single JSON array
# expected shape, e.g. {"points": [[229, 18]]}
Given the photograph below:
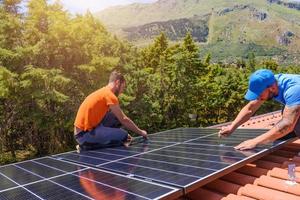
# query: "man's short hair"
{"points": [[115, 75]]}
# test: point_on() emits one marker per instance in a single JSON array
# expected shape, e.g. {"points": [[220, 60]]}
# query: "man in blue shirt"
{"points": [[263, 86]]}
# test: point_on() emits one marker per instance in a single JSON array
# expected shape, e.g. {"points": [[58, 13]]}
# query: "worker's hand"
{"points": [[128, 141], [129, 138], [144, 134], [226, 131], [248, 144]]}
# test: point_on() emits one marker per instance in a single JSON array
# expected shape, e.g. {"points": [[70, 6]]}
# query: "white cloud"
{"points": [[81, 6]]}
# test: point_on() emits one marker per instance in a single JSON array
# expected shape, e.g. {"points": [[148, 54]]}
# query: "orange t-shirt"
{"points": [[94, 107]]}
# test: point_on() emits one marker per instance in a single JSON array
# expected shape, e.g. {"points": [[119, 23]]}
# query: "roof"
{"points": [[265, 121], [265, 178]]}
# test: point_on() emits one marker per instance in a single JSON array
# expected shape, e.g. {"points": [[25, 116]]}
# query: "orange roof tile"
{"points": [[265, 121], [236, 197], [222, 186], [202, 193], [259, 192], [264, 179], [277, 184]]}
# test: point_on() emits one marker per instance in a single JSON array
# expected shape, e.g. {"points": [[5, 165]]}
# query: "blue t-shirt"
{"points": [[289, 89]]}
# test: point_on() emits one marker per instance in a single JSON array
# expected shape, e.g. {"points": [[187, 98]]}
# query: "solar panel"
{"points": [[49, 178], [185, 157], [171, 163]]}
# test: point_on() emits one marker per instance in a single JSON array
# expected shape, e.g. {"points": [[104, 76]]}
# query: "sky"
{"points": [[81, 6]]}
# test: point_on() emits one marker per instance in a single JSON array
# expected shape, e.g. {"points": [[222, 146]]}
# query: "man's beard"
{"points": [[271, 95], [117, 92]]}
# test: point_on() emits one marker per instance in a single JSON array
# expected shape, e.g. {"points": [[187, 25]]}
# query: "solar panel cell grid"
{"points": [[183, 158], [6, 183], [18, 175], [75, 182], [152, 174], [18, 194]]}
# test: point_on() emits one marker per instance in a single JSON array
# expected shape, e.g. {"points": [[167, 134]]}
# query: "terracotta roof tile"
{"points": [[264, 193], [202, 193], [252, 170], [236, 197], [276, 159], [285, 165], [238, 178], [284, 153], [277, 184], [265, 121], [292, 148], [222, 186], [266, 164], [264, 179], [282, 174], [296, 158]]}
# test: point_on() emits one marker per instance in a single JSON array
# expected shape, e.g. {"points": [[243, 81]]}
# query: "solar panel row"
{"points": [[48, 178], [180, 157], [167, 165]]}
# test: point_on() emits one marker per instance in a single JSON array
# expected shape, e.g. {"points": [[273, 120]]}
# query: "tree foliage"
{"points": [[50, 61]]}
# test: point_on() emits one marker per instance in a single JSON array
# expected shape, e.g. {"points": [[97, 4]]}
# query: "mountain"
{"points": [[226, 28], [175, 29]]}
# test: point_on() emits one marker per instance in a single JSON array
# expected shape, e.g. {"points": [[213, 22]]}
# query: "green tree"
{"points": [[9, 109]]}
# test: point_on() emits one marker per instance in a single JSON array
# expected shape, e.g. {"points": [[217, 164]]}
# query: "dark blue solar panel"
{"points": [[167, 177], [18, 194], [93, 189], [133, 186], [84, 183], [120, 152], [205, 162], [210, 161], [101, 155], [105, 155], [83, 159], [171, 166], [181, 157], [6, 183], [52, 191], [234, 139], [60, 165], [181, 135], [18, 175], [39, 169]]}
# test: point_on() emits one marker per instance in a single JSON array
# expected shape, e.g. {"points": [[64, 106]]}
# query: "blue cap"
{"points": [[258, 82]]}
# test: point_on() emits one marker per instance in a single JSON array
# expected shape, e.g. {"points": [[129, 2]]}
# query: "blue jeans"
{"points": [[107, 134]]}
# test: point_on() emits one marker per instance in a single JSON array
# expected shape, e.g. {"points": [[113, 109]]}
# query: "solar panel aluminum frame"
{"points": [[199, 183], [204, 180]]}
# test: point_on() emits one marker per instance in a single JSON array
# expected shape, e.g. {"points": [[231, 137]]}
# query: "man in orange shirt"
{"points": [[100, 117]]}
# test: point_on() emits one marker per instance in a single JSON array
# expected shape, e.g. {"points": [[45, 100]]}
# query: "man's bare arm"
{"points": [[243, 116], [283, 127], [126, 121], [289, 119], [286, 125]]}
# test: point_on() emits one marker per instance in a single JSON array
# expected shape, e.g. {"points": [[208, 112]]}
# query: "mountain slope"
{"points": [[229, 28], [174, 29]]}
